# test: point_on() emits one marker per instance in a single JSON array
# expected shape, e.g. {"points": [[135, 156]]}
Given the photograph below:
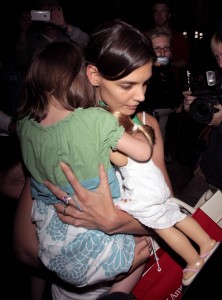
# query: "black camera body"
{"points": [[202, 108]]}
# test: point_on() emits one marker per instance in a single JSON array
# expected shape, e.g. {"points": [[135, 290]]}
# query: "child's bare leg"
{"points": [[142, 252], [196, 233], [182, 246]]}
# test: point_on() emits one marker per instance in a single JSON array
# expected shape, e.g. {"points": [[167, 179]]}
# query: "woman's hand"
{"points": [[98, 211], [97, 206], [142, 252]]}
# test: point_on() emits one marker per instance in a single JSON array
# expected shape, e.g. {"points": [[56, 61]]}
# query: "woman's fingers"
{"points": [[143, 247], [55, 190], [142, 252], [104, 184], [89, 209], [70, 175], [81, 193], [60, 194]]}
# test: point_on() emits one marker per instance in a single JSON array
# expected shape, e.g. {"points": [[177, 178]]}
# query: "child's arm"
{"points": [[135, 146], [118, 159]]}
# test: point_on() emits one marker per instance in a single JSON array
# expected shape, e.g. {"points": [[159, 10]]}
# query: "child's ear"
{"points": [[93, 75]]}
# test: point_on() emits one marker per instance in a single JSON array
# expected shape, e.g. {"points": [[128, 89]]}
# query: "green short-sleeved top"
{"points": [[83, 140]]}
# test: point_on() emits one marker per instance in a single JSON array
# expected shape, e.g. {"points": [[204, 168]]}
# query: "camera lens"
{"points": [[202, 110]]}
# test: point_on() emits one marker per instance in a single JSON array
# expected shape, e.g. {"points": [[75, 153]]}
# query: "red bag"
{"points": [[167, 283]]}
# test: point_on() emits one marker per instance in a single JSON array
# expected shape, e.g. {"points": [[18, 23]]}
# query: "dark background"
{"points": [[198, 15], [201, 15]]}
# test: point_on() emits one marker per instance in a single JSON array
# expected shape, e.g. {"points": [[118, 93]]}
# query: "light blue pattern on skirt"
{"points": [[79, 256]]}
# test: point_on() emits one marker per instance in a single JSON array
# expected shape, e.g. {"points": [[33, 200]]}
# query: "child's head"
{"points": [[57, 72]]}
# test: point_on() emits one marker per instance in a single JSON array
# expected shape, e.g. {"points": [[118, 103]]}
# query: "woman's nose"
{"points": [[140, 95]]}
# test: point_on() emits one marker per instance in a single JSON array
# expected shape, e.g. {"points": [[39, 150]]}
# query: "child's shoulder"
{"points": [[97, 111]]}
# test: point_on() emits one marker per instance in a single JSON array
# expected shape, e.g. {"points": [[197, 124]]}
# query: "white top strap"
{"points": [[135, 127], [144, 117]]}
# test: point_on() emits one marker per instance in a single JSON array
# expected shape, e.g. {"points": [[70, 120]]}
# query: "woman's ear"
{"points": [[93, 75]]}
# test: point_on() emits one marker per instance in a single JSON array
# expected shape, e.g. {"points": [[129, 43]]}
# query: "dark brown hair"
{"points": [[117, 49], [133, 128], [57, 70]]}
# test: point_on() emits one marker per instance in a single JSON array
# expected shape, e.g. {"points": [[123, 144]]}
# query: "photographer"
{"points": [[162, 96], [209, 170], [34, 34]]}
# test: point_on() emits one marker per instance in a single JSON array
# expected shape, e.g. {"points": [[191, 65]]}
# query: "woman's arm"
{"points": [[24, 235], [99, 212], [158, 149], [13, 176]]}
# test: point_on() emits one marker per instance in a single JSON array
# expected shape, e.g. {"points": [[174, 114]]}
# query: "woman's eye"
{"points": [[126, 86]]}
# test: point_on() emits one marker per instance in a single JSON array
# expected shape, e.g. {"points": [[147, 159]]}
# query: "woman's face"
{"points": [[161, 46], [217, 52], [124, 94]]}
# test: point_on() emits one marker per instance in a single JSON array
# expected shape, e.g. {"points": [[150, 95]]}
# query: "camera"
{"points": [[202, 108], [40, 15], [162, 61]]}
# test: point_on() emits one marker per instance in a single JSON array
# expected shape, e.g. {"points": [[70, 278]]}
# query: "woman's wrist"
{"points": [[122, 222]]}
